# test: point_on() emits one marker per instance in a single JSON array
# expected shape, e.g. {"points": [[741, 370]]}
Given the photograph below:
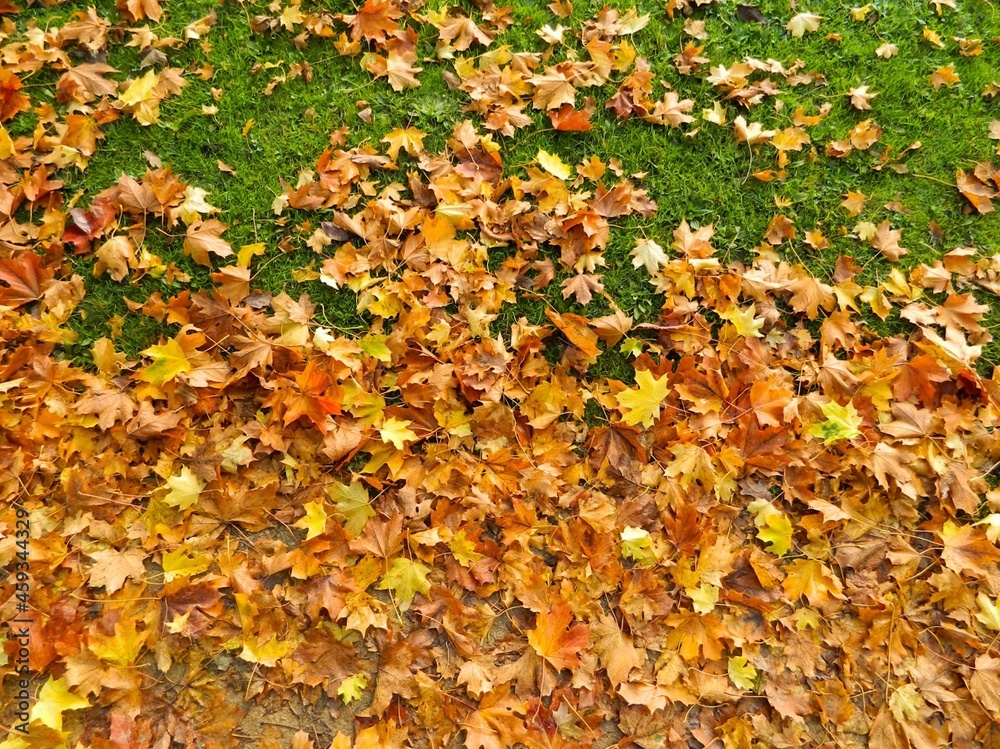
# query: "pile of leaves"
{"points": [[778, 533]]}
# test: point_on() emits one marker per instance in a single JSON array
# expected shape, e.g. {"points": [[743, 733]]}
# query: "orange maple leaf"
{"points": [[374, 21], [555, 641]]}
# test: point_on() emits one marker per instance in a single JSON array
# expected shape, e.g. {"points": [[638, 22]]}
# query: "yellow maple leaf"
{"points": [[989, 612], [169, 360], [409, 139], [122, 648], [353, 505], [6, 144], [802, 23], [814, 580], [742, 673], [405, 579], [183, 562], [745, 321], [637, 545], [140, 89], [54, 698], [185, 488], [703, 598], [266, 653], [248, 252], [352, 688], [841, 423], [642, 405], [397, 432], [314, 521], [555, 166], [775, 527]]}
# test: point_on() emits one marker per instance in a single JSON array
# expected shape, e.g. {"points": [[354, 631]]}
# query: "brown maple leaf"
{"points": [[966, 549], [204, 238], [25, 277], [374, 21]]}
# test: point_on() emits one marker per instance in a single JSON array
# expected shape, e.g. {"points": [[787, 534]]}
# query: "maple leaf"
{"points": [[751, 133], [992, 523], [405, 578], [374, 20], [854, 203], [311, 400], [314, 521], [742, 673], [497, 723], [86, 82], [266, 652], [352, 688], [886, 241], [117, 255], [137, 10], [112, 567], [555, 641], [553, 164], [464, 550], [984, 683], [746, 322], [204, 238], [944, 76], [978, 193], [886, 50], [642, 405], [966, 549], [841, 423], [649, 254], [692, 632], [194, 206], [813, 579], [54, 698], [184, 489], [616, 650], [140, 98], [25, 278], [775, 527], [397, 432], [582, 286], [409, 139], [12, 99], [183, 562], [575, 328], [553, 90], [989, 613], [569, 119], [122, 648], [353, 504], [860, 97], [802, 23], [637, 545], [169, 361]]}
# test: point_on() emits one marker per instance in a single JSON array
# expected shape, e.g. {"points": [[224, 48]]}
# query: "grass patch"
{"points": [[704, 179]]}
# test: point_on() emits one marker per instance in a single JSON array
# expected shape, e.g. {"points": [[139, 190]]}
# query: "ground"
{"points": [[571, 374]]}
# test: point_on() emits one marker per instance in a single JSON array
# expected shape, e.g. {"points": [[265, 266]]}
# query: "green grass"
{"points": [[702, 179]]}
